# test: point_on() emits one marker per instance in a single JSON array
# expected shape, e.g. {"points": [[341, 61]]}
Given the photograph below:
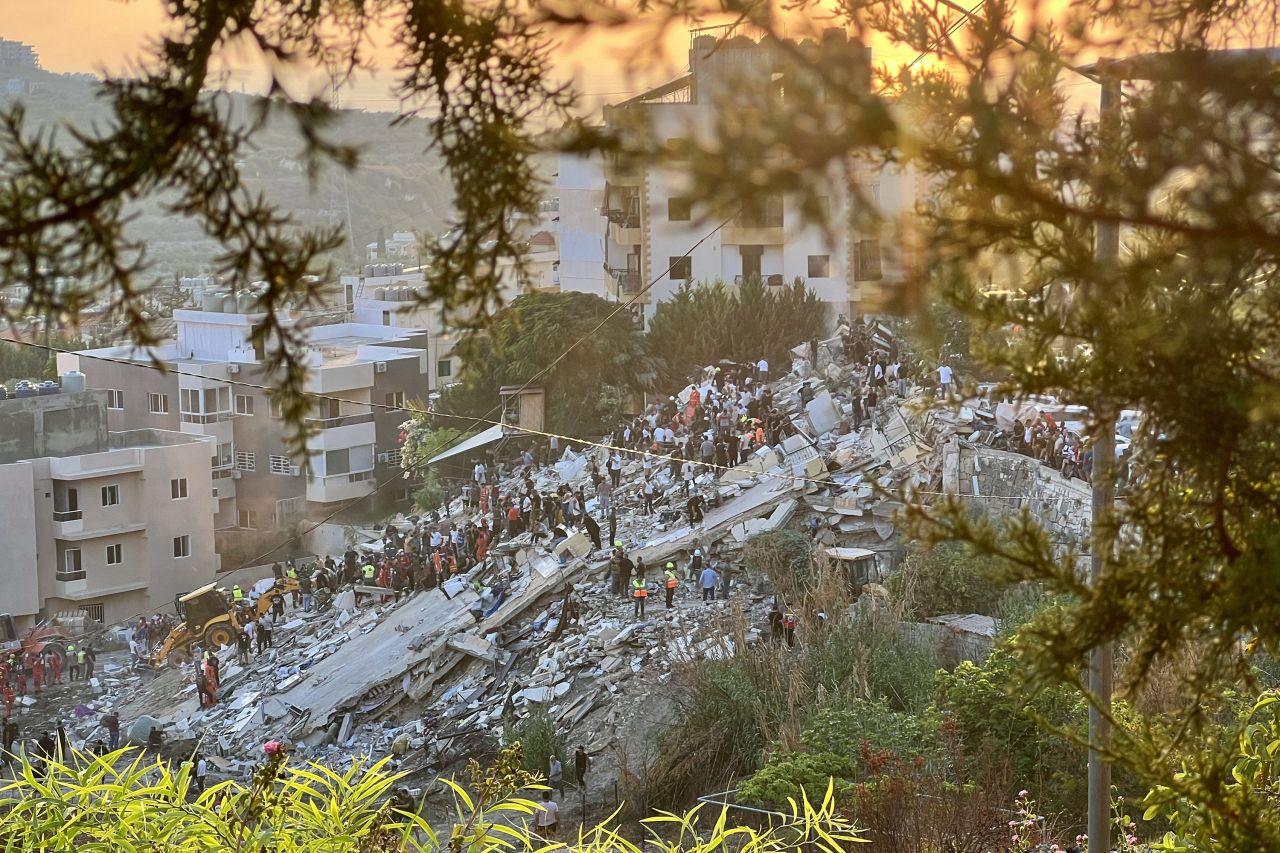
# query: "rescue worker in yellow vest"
{"points": [[74, 660], [672, 583], [367, 571], [237, 594], [291, 572], [639, 591]]}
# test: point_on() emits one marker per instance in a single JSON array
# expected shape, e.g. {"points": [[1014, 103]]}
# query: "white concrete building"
{"points": [[111, 523], [217, 389], [619, 229]]}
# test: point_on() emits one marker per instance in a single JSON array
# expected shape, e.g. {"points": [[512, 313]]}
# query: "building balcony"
{"points": [[326, 379], [340, 487], [109, 463], [624, 227], [78, 531], [340, 421], [623, 283], [754, 234], [344, 432], [619, 175]]}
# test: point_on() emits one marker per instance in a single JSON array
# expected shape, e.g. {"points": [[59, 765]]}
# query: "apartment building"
{"points": [[217, 388], [622, 225], [113, 523]]}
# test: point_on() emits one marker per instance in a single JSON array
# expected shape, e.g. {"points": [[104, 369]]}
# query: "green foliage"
{"points": [[943, 578], [539, 739], [1248, 761], [995, 719], [846, 728], [704, 323], [585, 390], [23, 362], [785, 557], [796, 775]]}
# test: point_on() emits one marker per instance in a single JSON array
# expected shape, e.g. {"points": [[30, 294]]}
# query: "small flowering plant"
{"points": [[1025, 827]]}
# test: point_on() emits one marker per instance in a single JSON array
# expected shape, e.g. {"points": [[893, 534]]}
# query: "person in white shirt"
{"points": [[480, 473], [548, 817], [944, 378], [762, 370]]}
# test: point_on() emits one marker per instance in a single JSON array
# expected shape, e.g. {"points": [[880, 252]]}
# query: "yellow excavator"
{"points": [[209, 617]]}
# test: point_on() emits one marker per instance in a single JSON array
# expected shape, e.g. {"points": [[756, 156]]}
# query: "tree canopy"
{"points": [[705, 322], [585, 389]]}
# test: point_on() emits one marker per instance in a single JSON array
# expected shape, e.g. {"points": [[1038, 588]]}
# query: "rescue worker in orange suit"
{"points": [[671, 583], [639, 591]]}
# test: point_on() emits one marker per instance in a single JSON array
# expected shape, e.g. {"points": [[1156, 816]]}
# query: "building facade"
{"points": [[113, 523], [624, 225], [218, 386]]}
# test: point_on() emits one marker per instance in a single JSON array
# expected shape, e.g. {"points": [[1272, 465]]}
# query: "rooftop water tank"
{"points": [[245, 302], [228, 304], [73, 382], [380, 294], [212, 301]]}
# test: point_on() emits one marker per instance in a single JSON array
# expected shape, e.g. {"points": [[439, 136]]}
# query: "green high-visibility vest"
{"points": [[292, 572], [237, 593], [368, 572]]}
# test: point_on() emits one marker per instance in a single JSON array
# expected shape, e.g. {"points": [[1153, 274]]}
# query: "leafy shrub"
{"points": [[796, 775], [847, 729], [784, 556], [944, 578], [539, 739]]}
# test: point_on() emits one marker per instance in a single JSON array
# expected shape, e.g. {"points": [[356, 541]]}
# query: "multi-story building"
{"points": [[16, 57], [217, 387], [623, 225], [114, 523]]}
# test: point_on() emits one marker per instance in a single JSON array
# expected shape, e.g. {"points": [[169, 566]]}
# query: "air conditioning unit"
{"points": [[233, 369], [215, 492], [380, 366], [237, 474], [384, 457], [295, 471]]}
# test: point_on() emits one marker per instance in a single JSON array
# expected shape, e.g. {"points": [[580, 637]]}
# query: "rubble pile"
{"points": [[535, 625]]}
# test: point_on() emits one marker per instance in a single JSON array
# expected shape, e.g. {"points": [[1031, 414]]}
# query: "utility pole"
{"points": [[1102, 657]]}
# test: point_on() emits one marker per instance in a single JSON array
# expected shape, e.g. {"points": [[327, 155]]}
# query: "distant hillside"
{"points": [[397, 186]]}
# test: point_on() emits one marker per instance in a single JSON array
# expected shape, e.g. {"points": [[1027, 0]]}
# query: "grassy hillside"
{"points": [[397, 185]]}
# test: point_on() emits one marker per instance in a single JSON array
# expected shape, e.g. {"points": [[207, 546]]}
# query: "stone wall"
{"points": [[1003, 482]]}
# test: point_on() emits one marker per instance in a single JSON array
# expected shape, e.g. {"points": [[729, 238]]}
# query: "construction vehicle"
{"points": [[48, 636], [210, 618]]}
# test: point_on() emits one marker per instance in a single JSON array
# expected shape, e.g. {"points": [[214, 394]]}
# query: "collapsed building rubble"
{"points": [[536, 625]]}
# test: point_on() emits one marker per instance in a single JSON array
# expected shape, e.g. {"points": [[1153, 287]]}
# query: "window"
{"points": [[679, 209], [280, 464], [763, 213], [345, 460], [110, 495], [223, 455], [248, 519], [115, 554], [751, 256], [819, 266], [277, 410], [158, 403], [681, 268], [115, 399], [204, 405], [444, 367], [866, 260], [391, 457], [395, 399], [246, 461], [181, 546], [178, 488], [72, 569], [244, 404]]}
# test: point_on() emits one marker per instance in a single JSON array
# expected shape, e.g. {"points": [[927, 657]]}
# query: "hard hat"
{"points": [[617, 543], [697, 552], [671, 565]]}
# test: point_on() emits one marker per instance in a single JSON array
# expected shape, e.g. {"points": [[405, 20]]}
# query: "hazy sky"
{"points": [[93, 35]]}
